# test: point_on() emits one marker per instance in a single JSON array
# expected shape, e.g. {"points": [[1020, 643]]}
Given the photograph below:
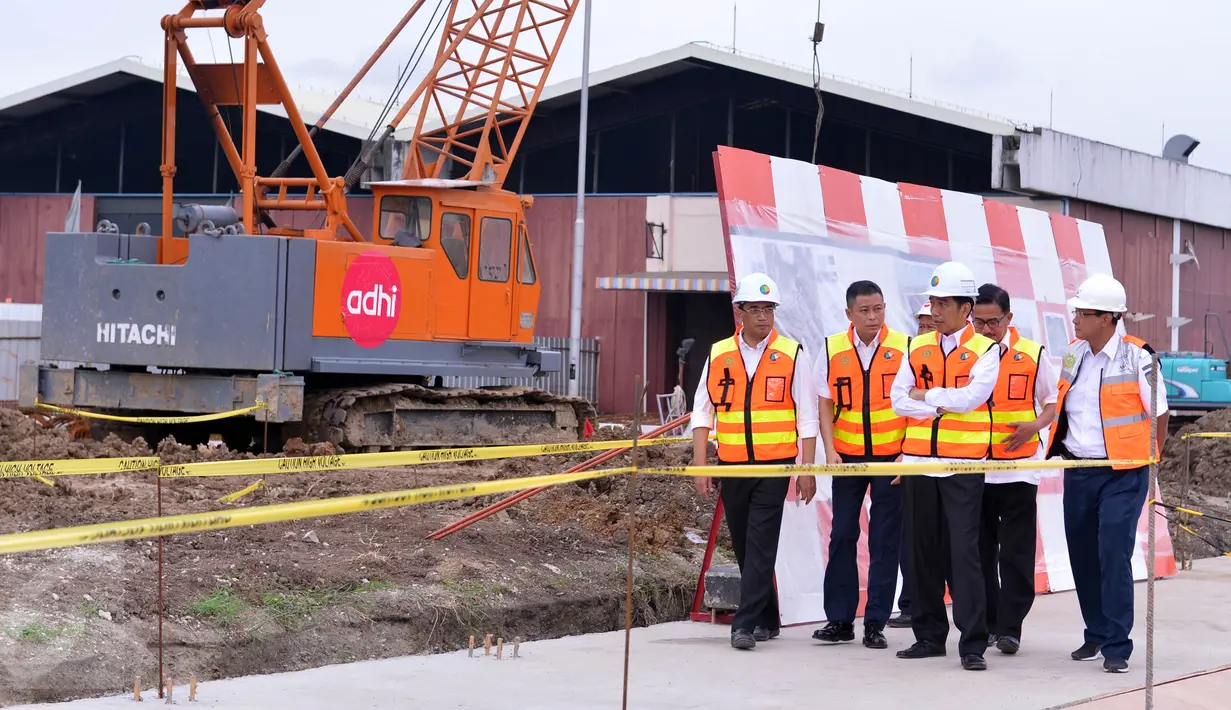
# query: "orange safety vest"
{"points": [[1126, 422], [755, 417], [864, 421], [950, 436], [1013, 399]]}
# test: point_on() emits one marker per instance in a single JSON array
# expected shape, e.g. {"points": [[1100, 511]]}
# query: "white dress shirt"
{"points": [[977, 390], [820, 371], [807, 423], [1084, 438], [1044, 394]]}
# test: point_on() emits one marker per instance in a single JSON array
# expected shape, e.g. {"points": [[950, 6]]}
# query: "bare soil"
{"points": [[83, 621], [1197, 474]]}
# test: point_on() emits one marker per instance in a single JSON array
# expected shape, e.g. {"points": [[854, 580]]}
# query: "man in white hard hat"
{"points": [[1103, 412], [756, 389], [923, 319], [943, 391], [923, 324]]}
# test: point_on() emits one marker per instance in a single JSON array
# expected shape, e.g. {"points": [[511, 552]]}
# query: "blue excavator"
{"points": [[1197, 381]]}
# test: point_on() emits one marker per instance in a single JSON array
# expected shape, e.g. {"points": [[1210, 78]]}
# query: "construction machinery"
{"points": [[1197, 381], [342, 336]]}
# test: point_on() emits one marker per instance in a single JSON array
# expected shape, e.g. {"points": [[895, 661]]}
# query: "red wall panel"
{"points": [[1140, 248], [615, 244], [24, 223]]}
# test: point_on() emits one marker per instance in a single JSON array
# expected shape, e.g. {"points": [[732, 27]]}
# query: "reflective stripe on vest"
{"points": [[1013, 400], [755, 420], [864, 421], [951, 436], [1126, 422]]}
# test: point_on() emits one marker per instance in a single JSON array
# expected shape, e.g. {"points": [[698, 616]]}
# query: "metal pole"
{"points": [[579, 226], [1151, 550]]}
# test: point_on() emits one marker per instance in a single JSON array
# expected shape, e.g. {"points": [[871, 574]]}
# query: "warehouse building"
{"points": [[655, 267]]}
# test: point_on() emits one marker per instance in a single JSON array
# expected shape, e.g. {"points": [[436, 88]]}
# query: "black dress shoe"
{"points": [[872, 636], [743, 640], [761, 633], [901, 621], [835, 631], [922, 649], [1008, 644], [1087, 652], [992, 639], [973, 662]]}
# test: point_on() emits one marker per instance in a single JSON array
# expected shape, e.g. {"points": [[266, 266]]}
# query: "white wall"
{"points": [[693, 241]]}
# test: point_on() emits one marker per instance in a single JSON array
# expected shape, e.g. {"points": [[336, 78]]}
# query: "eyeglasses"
{"points": [[759, 310], [988, 323], [1088, 314]]}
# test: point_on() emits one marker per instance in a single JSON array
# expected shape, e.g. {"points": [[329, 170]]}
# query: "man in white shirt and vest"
{"points": [[756, 389], [858, 425], [923, 324], [943, 390], [1023, 404], [1103, 412]]}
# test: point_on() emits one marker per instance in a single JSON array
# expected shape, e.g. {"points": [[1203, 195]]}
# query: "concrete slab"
{"points": [[1204, 691], [691, 665]]}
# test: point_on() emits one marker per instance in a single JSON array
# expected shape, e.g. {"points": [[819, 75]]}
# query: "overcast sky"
{"points": [[1119, 69]]}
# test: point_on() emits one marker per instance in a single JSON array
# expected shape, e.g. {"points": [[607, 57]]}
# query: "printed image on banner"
{"points": [[371, 299], [814, 230]]}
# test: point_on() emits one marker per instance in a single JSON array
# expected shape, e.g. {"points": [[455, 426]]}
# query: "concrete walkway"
{"points": [[691, 665]]}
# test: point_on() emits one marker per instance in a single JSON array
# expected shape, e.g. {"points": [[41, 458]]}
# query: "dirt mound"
{"points": [[1210, 459], [23, 439]]}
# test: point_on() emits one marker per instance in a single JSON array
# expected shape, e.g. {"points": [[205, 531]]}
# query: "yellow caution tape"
{"points": [[155, 420], [258, 515], [232, 497], [875, 469], [75, 467], [47, 481], [338, 462], [1208, 435]]}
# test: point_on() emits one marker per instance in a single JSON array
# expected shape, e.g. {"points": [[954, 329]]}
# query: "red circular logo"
{"points": [[371, 299]]}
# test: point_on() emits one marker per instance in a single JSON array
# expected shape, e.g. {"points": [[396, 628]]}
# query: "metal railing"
{"points": [[556, 382]]}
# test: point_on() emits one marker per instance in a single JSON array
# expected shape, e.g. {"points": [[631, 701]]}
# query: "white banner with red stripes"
{"points": [[814, 230]]}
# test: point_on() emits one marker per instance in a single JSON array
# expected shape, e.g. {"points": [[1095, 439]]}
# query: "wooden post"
{"points": [[471, 652], [487, 645], [192, 688], [516, 646], [500, 649], [137, 689]]}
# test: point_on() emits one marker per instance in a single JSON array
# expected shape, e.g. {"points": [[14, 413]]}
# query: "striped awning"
{"points": [[692, 282]]}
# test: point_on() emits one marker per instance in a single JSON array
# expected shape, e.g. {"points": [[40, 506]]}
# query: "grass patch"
{"points": [[501, 588], [221, 604], [557, 582], [374, 586], [288, 608], [91, 608], [39, 632], [467, 589]]}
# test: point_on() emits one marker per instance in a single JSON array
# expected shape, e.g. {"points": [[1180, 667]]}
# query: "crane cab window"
{"points": [[495, 249], [455, 241], [405, 220], [525, 262]]}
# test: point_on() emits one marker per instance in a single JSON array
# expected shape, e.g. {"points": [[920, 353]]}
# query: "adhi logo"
{"points": [[371, 299]]}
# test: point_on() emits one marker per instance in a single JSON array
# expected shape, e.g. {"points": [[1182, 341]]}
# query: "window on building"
{"points": [[455, 241], [409, 217], [525, 271], [495, 249]]}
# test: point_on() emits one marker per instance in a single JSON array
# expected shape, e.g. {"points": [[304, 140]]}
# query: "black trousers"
{"points": [[939, 510], [1008, 540], [753, 510], [884, 539]]}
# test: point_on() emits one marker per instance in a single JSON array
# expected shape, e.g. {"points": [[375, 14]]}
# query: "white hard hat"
{"points": [[757, 287], [952, 279], [925, 309], [1100, 292]]}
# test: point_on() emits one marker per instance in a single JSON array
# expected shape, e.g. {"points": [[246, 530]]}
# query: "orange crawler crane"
{"points": [[344, 336]]}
